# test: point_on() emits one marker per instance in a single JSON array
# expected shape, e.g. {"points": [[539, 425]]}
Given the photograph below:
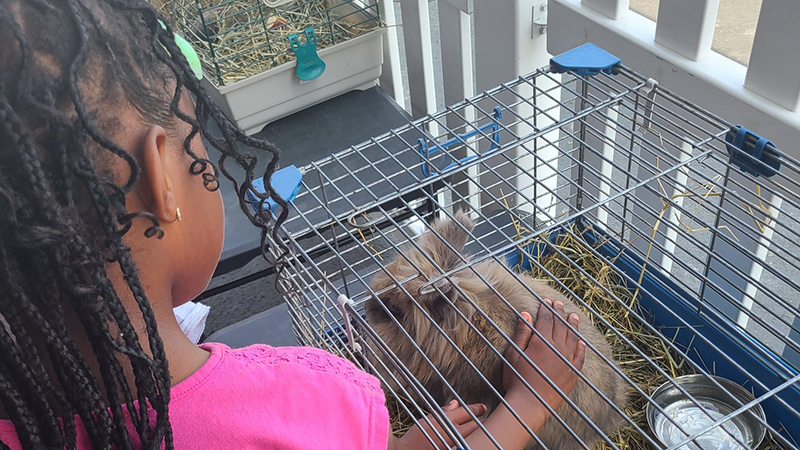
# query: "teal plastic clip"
{"points": [[309, 65]]}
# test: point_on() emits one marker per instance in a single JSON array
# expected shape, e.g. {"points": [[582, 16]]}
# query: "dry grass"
{"points": [[400, 420], [243, 38]]}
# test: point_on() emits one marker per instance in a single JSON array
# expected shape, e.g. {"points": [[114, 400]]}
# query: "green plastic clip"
{"points": [[188, 51], [309, 65]]}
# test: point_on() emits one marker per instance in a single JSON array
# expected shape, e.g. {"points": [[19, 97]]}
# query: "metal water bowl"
{"points": [[705, 405]]}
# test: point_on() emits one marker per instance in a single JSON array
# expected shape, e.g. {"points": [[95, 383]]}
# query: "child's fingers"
{"points": [[522, 334], [450, 406], [465, 429], [462, 415], [580, 356], [544, 320], [572, 337], [559, 327]]}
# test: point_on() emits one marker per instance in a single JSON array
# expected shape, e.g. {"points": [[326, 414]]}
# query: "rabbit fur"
{"points": [[444, 356]]}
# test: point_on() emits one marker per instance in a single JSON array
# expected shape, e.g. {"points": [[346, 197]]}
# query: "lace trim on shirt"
{"points": [[312, 358]]}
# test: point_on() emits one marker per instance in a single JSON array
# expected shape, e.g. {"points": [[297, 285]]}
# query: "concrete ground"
{"points": [[736, 25]]}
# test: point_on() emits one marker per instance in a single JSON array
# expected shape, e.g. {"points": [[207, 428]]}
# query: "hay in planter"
{"points": [[237, 39]]}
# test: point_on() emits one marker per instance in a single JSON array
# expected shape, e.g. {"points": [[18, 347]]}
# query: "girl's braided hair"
{"points": [[63, 214]]}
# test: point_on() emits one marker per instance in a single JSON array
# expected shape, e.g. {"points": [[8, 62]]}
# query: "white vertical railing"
{"points": [[687, 27], [606, 166], [458, 66], [615, 9], [673, 214], [775, 63], [418, 46], [392, 78]]}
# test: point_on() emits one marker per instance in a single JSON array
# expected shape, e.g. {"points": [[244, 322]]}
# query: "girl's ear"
{"points": [[156, 187]]}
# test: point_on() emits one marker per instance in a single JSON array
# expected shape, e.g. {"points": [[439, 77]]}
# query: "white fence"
{"points": [[675, 51]]}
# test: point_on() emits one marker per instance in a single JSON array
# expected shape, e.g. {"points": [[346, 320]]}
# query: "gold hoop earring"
{"points": [[178, 211]]}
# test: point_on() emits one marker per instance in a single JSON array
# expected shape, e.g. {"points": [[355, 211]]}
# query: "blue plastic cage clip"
{"points": [[587, 59], [309, 65], [425, 152], [751, 153], [286, 182]]}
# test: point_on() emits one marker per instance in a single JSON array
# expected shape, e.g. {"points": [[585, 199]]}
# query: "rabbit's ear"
{"points": [[456, 232]]}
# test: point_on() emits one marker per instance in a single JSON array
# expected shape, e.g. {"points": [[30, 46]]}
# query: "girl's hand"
{"points": [[415, 439], [565, 342]]}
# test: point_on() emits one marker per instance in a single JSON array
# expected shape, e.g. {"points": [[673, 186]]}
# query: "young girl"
{"points": [[111, 216]]}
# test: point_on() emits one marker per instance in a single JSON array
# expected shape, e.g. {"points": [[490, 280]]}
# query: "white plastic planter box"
{"points": [[276, 93]]}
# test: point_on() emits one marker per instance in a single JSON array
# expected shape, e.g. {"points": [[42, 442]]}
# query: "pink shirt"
{"points": [[263, 397]]}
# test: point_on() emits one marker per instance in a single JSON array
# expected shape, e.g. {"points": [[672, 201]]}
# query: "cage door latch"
{"points": [[649, 90], [751, 153], [425, 152]]}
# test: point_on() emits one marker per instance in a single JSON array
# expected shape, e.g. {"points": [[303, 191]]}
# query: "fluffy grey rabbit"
{"points": [[452, 366]]}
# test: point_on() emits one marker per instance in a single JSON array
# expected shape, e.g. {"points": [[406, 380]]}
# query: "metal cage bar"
{"points": [[704, 259]]}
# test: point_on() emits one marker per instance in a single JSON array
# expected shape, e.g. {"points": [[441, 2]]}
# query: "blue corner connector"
{"points": [[286, 182], [751, 153], [588, 59]]}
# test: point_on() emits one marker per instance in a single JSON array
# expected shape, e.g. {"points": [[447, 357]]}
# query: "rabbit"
{"points": [[464, 380]]}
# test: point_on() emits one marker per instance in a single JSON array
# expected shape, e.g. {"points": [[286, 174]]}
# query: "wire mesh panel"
{"points": [[650, 218], [237, 39]]}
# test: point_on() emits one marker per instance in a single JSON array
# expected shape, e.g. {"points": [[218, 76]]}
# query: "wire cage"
{"points": [[237, 39], [674, 231]]}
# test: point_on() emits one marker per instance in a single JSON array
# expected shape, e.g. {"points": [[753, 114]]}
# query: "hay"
{"points": [[237, 39], [399, 418]]}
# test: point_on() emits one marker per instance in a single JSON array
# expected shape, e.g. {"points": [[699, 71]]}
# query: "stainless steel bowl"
{"points": [[715, 402]]}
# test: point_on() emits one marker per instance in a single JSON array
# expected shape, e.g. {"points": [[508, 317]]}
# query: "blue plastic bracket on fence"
{"points": [[425, 152], [751, 153]]}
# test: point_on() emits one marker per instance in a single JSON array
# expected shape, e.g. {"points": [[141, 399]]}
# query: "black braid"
{"points": [[64, 215]]}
